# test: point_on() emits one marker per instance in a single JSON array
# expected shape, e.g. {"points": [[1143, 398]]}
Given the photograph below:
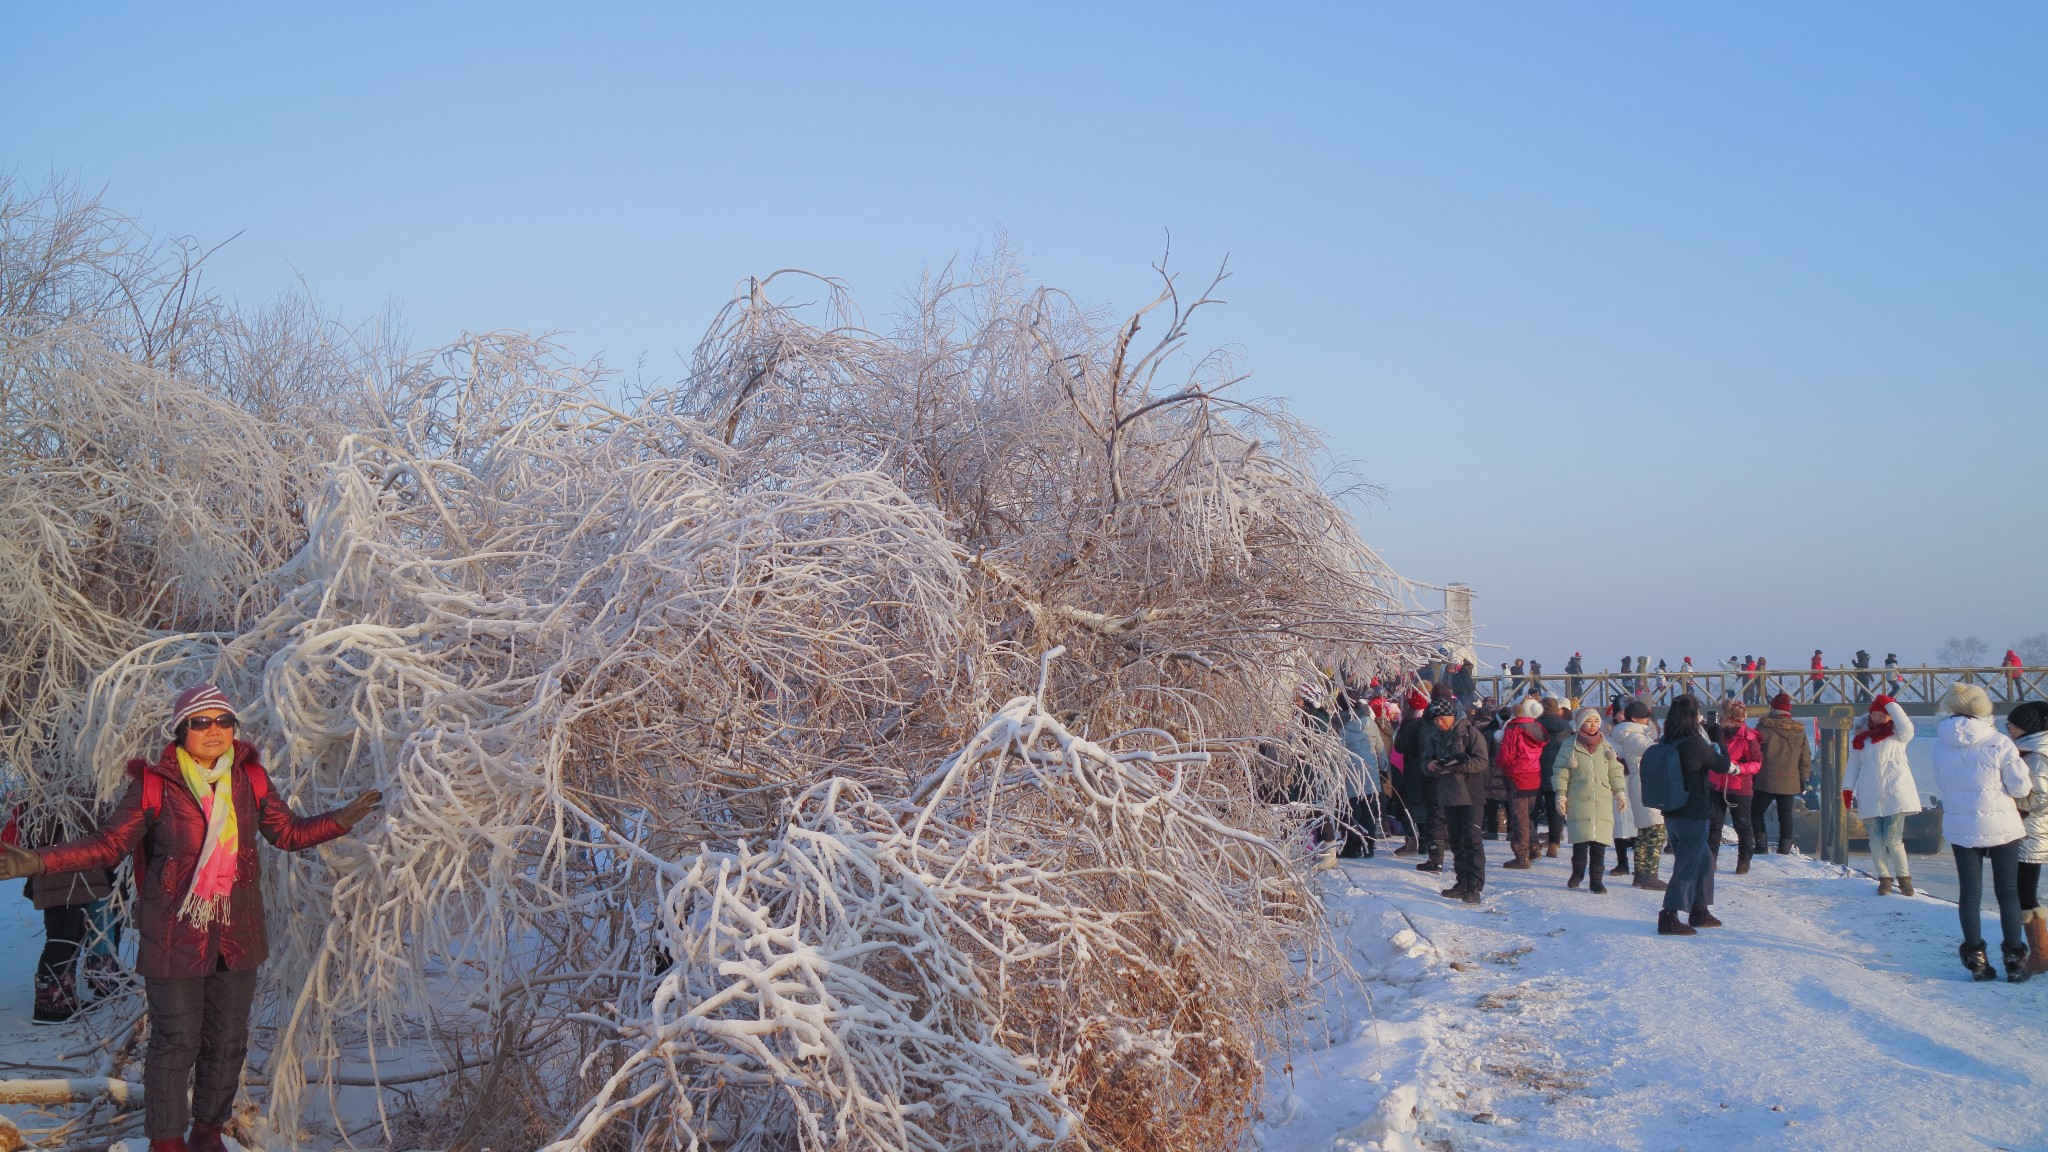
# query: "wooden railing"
{"points": [[1919, 690]]}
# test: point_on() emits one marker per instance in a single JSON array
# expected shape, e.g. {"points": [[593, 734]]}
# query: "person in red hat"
{"points": [[191, 819], [1787, 767], [1418, 792]]}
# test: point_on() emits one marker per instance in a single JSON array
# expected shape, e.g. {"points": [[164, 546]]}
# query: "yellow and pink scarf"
{"points": [[214, 880]]}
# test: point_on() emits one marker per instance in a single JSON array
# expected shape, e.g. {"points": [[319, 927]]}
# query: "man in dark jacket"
{"points": [[1787, 769], [1454, 755], [1418, 796], [1557, 732], [1574, 668]]}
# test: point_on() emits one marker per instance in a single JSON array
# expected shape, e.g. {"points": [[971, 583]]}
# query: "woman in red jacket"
{"points": [[195, 814], [1737, 785], [1521, 768]]}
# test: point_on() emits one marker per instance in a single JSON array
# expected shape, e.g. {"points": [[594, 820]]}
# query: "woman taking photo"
{"points": [[195, 813], [1692, 877], [1980, 774], [1878, 787]]}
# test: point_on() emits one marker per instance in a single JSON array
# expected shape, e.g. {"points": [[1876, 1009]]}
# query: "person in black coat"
{"points": [[1454, 755], [1557, 732], [1692, 877], [1418, 796]]}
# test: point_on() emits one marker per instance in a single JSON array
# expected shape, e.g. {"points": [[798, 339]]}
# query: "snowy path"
{"points": [[1821, 1017]]}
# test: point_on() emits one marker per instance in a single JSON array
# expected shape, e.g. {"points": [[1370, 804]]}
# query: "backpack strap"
{"points": [[152, 805], [259, 782]]}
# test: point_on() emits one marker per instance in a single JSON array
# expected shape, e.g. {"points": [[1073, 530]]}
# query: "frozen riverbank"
{"points": [[1821, 1017]]}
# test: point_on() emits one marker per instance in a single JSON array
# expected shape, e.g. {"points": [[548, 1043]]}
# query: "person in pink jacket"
{"points": [[1737, 785], [1521, 767]]}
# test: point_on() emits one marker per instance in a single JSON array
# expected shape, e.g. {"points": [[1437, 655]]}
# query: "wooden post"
{"points": [[1834, 766]]}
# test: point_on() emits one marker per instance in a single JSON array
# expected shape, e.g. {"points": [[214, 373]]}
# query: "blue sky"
{"points": [[1678, 330]]}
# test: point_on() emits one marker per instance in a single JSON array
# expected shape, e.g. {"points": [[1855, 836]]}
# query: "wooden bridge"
{"points": [[1918, 690]]}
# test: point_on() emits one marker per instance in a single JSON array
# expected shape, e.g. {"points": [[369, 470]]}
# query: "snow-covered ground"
{"points": [[1821, 1017]]}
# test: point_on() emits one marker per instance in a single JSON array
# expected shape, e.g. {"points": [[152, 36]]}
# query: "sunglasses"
{"points": [[202, 723]]}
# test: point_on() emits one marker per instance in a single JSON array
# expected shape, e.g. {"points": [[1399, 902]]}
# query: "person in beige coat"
{"points": [[1588, 777], [1787, 768]]}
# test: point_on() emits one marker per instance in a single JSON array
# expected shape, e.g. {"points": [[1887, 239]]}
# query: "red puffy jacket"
{"points": [[1745, 758], [172, 948], [1521, 754]]}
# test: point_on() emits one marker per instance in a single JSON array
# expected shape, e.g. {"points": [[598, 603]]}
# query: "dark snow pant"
{"points": [[1469, 852], [2030, 885], [1734, 811], [1546, 811], [1427, 821], [204, 1021], [2005, 884], [1759, 807], [1362, 827], [63, 933], [1692, 877], [1489, 821], [1521, 828]]}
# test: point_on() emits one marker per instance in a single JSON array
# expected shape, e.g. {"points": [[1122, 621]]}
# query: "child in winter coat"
{"points": [[2028, 727], [1588, 778], [1878, 786]]}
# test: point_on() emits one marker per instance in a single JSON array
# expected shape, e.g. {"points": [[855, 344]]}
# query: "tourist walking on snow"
{"points": [[1454, 755], [2028, 727], [1521, 766], [1736, 786], [1980, 774], [1691, 891], [1631, 738], [1787, 768], [1589, 776], [195, 813], [1878, 786]]}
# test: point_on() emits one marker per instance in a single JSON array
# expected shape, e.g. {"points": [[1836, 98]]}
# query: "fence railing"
{"points": [[1920, 690]]}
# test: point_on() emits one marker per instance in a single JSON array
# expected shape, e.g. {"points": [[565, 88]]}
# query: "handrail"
{"points": [[1920, 688]]}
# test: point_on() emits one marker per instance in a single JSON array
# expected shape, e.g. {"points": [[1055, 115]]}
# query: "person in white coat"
{"points": [[1878, 787], [1631, 738], [2028, 727], [1980, 774]]}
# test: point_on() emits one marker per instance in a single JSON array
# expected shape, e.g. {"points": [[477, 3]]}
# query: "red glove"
{"points": [[1848, 799]]}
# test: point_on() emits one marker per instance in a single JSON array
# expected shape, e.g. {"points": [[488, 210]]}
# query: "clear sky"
{"points": [[1672, 329]]}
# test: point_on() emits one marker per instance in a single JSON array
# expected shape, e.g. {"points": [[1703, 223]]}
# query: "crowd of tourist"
{"points": [[1446, 771]]}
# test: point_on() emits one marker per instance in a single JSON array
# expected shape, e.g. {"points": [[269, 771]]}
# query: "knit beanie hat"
{"points": [[1417, 701], [1580, 717], [1967, 700], [2029, 718], [1878, 706], [1782, 702], [194, 700], [1441, 708]]}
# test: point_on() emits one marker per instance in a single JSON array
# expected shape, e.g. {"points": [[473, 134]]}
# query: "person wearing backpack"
{"points": [[1589, 776], [1675, 781], [1878, 786], [190, 819], [1981, 775], [1631, 738]]}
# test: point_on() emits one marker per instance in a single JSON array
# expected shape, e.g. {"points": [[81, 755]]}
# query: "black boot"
{"points": [[1701, 918], [1624, 850], [1668, 924], [56, 1001], [1742, 861], [1435, 863], [2015, 963], [1596, 869], [1578, 866], [1975, 960]]}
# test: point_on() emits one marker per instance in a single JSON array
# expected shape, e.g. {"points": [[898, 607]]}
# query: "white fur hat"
{"points": [[1967, 700], [1529, 709]]}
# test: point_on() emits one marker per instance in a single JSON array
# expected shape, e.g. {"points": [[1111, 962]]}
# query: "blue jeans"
{"points": [[1692, 876], [1888, 845], [2005, 883]]}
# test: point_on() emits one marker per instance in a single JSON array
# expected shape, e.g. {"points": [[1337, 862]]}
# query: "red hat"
{"points": [[1417, 700], [1878, 706], [1782, 702]]}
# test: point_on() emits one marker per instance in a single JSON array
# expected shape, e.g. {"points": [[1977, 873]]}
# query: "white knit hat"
{"points": [[1967, 700]]}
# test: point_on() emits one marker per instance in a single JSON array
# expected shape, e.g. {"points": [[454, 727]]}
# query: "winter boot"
{"points": [[1470, 896], [1622, 866], [1454, 892], [1975, 960], [2037, 940], [206, 1138], [1649, 883], [1550, 849], [103, 975], [1905, 885], [2016, 970], [1742, 862], [56, 1002], [1701, 918], [1435, 863], [1596, 870], [1668, 924], [1884, 885], [1519, 864], [1784, 846], [1407, 847], [1578, 867]]}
